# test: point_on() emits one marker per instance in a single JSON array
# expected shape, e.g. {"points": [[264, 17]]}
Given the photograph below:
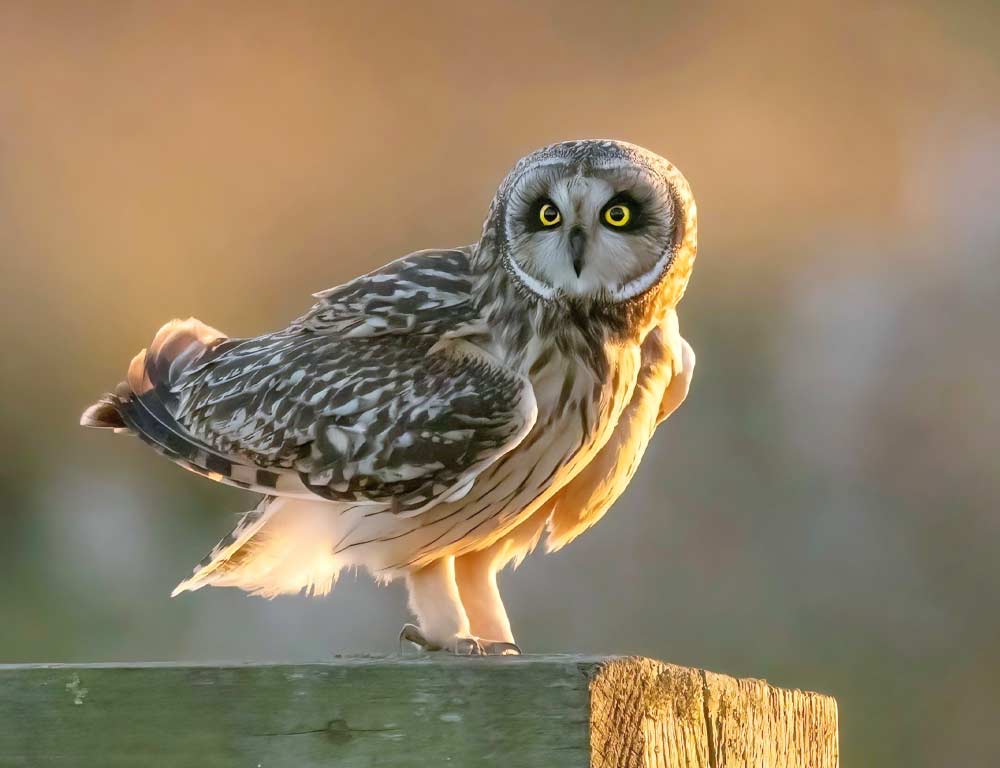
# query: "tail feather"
{"points": [[145, 404], [177, 346], [283, 546], [104, 414], [226, 555]]}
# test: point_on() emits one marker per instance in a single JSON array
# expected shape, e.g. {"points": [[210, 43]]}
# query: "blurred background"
{"points": [[822, 511]]}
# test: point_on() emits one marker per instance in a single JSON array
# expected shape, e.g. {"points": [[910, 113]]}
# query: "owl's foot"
{"points": [[458, 645]]}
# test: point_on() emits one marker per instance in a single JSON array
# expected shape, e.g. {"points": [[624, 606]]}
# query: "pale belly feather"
{"points": [[577, 414]]}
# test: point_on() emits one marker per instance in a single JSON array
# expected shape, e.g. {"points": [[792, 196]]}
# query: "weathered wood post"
{"points": [[537, 711]]}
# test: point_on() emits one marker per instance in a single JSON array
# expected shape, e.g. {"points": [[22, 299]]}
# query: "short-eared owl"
{"points": [[434, 418]]}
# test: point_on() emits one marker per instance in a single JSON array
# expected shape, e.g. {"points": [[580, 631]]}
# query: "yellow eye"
{"points": [[618, 215], [549, 215]]}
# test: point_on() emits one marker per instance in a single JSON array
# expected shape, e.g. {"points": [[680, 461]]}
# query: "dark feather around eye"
{"points": [[638, 216], [533, 222]]}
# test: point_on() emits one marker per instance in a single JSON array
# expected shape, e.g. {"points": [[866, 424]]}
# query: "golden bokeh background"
{"points": [[821, 512]]}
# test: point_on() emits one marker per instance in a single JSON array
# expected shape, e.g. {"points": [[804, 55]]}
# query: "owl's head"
{"points": [[595, 220]]}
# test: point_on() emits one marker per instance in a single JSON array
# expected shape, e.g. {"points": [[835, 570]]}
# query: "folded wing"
{"points": [[359, 400]]}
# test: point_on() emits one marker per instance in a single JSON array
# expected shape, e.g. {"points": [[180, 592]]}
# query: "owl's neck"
{"points": [[517, 320]]}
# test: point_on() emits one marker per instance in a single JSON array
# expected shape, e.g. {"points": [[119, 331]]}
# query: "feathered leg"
{"points": [[434, 601], [444, 625], [476, 574]]}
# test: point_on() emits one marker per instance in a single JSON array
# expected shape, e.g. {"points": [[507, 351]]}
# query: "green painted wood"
{"points": [[529, 711]]}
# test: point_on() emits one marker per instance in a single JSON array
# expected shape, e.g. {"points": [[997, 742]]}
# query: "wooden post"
{"points": [[531, 711]]}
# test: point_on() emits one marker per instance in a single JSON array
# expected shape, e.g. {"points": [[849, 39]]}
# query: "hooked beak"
{"points": [[577, 245]]}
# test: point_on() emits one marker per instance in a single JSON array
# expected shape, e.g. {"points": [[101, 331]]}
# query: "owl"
{"points": [[434, 419]]}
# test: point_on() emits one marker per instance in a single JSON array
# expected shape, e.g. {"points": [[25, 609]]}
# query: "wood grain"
{"points": [[647, 714], [550, 711]]}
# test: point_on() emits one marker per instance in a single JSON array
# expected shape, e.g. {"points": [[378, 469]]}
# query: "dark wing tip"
{"points": [[104, 414]]}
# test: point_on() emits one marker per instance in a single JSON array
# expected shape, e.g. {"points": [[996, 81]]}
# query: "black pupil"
{"points": [[617, 213], [549, 213]]}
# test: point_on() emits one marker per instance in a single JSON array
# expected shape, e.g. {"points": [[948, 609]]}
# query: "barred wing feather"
{"points": [[359, 400]]}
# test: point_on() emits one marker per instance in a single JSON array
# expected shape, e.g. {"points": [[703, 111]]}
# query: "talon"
{"points": [[412, 634], [462, 646], [500, 648], [468, 646]]}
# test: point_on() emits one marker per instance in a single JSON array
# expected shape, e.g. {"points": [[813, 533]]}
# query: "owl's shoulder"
{"points": [[427, 291]]}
